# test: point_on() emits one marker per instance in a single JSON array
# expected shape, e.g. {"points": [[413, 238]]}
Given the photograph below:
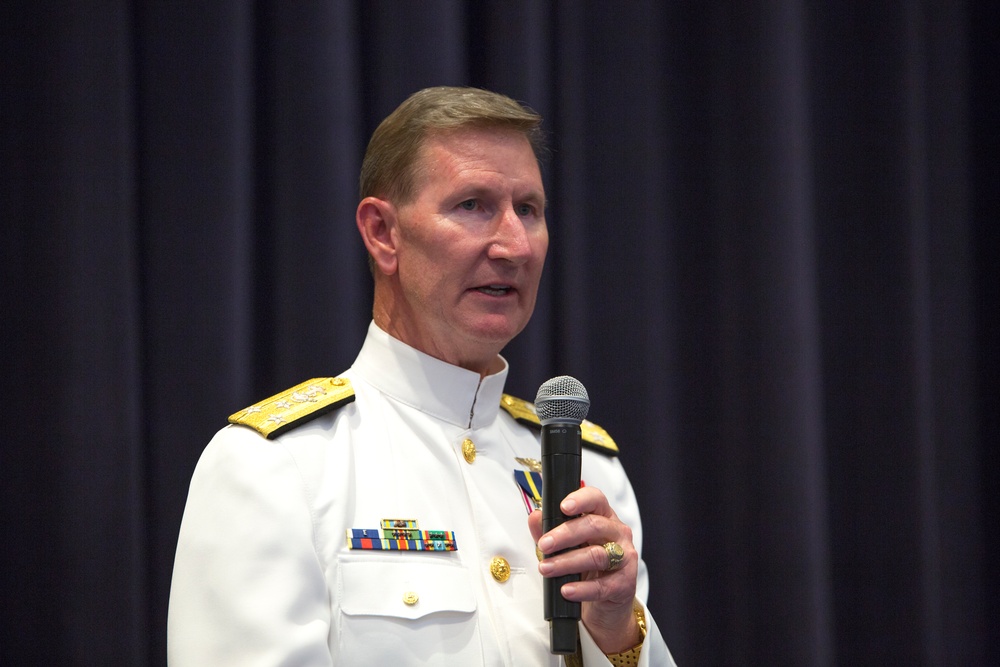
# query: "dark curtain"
{"points": [[773, 265]]}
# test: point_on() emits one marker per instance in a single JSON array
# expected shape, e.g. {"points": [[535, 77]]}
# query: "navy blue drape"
{"points": [[772, 265]]}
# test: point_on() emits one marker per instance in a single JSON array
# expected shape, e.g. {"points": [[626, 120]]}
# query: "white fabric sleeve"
{"points": [[248, 588]]}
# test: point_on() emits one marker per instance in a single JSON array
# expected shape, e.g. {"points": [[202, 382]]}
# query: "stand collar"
{"points": [[434, 387]]}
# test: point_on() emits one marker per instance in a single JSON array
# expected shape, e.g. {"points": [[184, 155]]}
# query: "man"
{"points": [[378, 517]]}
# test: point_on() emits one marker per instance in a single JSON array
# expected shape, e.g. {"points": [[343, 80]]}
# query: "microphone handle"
{"points": [[560, 477]]}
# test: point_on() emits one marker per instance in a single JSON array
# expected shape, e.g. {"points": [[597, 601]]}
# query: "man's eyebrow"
{"points": [[473, 190], [484, 190], [536, 198]]}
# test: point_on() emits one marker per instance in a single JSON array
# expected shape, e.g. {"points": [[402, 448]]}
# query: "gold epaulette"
{"points": [[294, 407], [592, 435]]}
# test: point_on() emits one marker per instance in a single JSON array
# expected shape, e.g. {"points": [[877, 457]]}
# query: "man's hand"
{"points": [[606, 594]]}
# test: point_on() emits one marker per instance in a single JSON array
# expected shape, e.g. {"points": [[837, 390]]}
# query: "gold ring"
{"points": [[616, 555]]}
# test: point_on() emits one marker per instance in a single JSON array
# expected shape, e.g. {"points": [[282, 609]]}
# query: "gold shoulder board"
{"points": [[592, 435], [296, 406]]}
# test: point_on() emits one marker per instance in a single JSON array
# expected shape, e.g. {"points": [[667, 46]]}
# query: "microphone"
{"points": [[561, 404]]}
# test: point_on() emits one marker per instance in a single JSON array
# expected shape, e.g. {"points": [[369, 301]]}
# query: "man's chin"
{"points": [[495, 330]]}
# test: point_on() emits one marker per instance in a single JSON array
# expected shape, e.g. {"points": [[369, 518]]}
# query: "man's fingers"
{"points": [[589, 559], [587, 500], [585, 529]]}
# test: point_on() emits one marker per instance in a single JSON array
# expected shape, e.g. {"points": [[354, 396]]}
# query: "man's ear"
{"points": [[377, 219]]}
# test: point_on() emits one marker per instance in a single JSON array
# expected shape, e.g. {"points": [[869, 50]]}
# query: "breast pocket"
{"points": [[415, 606]]}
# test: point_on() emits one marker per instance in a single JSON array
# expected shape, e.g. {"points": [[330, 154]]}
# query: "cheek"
{"points": [[540, 238], [540, 246], [421, 254], [427, 268]]}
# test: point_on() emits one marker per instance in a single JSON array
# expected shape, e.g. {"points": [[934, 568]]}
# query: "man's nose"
{"points": [[511, 238]]}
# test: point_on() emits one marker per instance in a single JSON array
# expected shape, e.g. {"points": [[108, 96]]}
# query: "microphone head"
{"points": [[562, 399]]}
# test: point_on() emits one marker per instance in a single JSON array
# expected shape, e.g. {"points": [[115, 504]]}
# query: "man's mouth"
{"points": [[494, 290]]}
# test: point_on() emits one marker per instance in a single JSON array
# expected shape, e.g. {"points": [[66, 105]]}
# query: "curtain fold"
{"points": [[772, 265]]}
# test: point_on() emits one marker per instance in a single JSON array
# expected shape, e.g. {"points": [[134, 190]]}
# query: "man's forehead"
{"points": [[465, 139], [444, 152]]}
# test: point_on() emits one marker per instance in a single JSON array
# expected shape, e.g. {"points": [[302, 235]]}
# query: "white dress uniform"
{"points": [[264, 574]]}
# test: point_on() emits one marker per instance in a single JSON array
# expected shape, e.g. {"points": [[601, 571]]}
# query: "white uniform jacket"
{"points": [[263, 574]]}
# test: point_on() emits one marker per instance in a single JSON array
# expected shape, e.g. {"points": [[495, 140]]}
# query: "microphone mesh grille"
{"points": [[562, 398]]}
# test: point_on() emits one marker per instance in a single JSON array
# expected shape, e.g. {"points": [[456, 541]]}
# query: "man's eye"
{"points": [[525, 209], [469, 204]]}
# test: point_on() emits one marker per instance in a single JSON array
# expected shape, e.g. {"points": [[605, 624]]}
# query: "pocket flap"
{"points": [[408, 589]]}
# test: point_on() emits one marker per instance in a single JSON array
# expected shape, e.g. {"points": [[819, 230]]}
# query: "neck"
{"points": [[387, 316]]}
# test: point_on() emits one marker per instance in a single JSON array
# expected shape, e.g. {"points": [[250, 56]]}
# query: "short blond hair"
{"points": [[389, 167]]}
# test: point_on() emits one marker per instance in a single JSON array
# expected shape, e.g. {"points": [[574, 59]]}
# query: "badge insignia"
{"points": [[401, 535], [534, 465]]}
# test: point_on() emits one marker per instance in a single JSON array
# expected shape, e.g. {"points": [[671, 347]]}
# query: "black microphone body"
{"points": [[562, 403], [560, 477]]}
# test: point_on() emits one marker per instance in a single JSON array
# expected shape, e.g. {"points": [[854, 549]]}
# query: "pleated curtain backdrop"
{"points": [[773, 265]]}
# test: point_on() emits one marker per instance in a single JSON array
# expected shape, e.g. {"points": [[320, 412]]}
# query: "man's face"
{"points": [[470, 247]]}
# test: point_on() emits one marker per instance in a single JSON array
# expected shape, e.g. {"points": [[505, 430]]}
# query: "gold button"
{"points": [[469, 450], [500, 569], [338, 382], [410, 598]]}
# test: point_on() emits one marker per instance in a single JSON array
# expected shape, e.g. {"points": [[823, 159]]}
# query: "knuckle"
{"points": [[592, 522]]}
